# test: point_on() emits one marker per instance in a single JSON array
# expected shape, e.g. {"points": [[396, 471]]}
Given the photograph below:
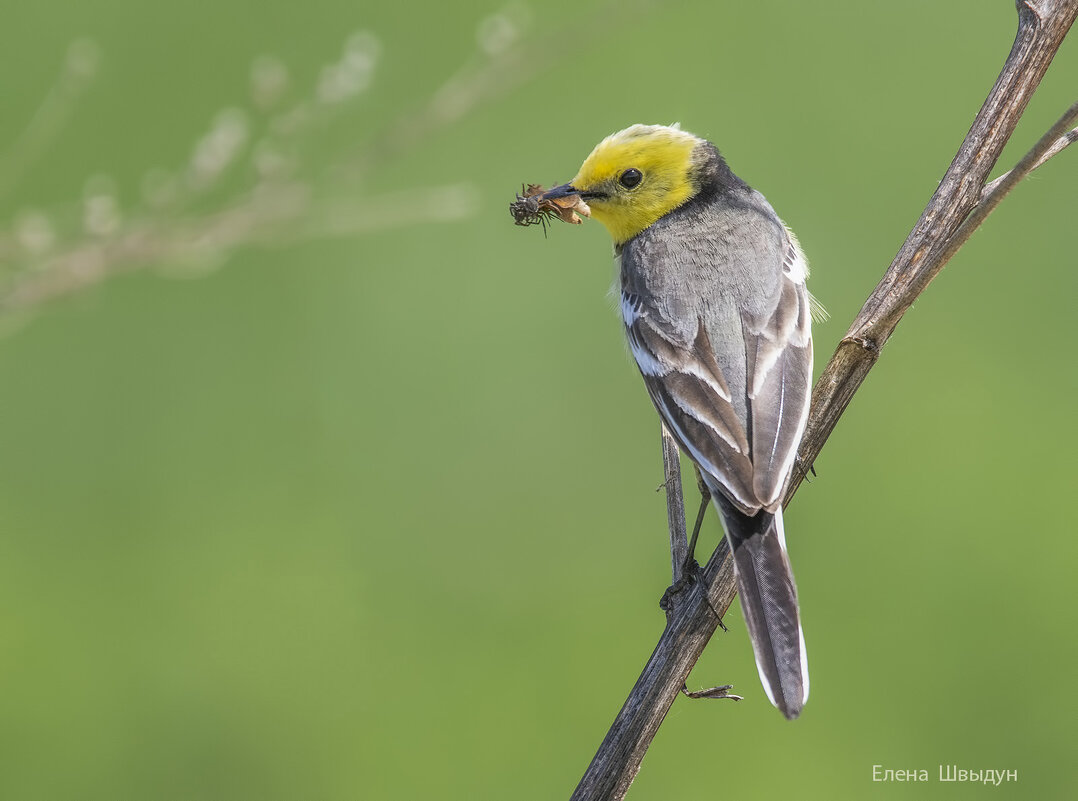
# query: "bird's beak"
{"points": [[565, 190], [568, 190]]}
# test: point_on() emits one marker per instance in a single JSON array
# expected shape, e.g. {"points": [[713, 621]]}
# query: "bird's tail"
{"points": [[769, 601]]}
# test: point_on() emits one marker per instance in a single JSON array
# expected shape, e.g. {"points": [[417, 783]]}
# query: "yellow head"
{"points": [[635, 176]]}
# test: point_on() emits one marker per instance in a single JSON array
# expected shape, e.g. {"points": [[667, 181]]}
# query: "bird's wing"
{"points": [[778, 350], [687, 387]]}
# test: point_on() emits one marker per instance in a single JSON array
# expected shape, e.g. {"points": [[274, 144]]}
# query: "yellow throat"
{"points": [[635, 176]]}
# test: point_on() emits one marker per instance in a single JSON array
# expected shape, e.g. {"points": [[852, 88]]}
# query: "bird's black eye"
{"points": [[630, 178]]}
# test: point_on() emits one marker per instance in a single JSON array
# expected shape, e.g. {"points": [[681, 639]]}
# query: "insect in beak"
{"points": [[535, 206]]}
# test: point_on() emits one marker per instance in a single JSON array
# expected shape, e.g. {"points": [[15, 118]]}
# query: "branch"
{"points": [[960, 204], [288, 214], [1054, 141], [1043, 151], [675, 505], [940, 231], [189, 221]]}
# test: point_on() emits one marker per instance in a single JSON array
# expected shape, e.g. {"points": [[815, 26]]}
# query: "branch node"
{"points": [[867, 344]]}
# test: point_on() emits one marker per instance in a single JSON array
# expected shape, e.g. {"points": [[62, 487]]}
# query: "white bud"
{"points": [[269, 80], [215, 151], [83, 58], [500, 31], [100, 206], [34, 232], [354, 72]]}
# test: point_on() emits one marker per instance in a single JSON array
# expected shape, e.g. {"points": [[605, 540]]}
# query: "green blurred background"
{"points": [[373, 516]]}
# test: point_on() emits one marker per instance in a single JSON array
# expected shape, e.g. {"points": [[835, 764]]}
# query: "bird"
{"points": [[719, 322]]}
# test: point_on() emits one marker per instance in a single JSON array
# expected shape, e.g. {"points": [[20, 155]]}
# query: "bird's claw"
{"points": [[712, 692]]}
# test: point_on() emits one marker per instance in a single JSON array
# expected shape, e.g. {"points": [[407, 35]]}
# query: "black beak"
{"points": [[565, 190]]}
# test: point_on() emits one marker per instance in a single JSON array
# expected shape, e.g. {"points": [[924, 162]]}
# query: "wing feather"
{"points": [[779, 359], [750, 459], [690, 392]]}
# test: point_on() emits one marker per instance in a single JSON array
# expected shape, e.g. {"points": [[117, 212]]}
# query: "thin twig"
{"points": [[1056, 147], [1042, 26], [1052, 143], [675, 506]]}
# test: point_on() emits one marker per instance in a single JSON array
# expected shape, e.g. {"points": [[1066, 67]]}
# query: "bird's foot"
{"points": [[713, 692], [691, 572], [688, 578], [807, 468]]}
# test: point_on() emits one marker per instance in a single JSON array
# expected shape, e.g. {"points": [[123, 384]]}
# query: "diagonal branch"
{"points": [[961, 202]]}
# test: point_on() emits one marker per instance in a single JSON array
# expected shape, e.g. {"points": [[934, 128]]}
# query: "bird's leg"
{"points": [[691, 570], [705, 499], [690, 567]]}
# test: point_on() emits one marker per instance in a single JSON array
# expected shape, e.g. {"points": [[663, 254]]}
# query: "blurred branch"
{"points": [[199, 243], [188, 221], [504, 62], [960, 204]]}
